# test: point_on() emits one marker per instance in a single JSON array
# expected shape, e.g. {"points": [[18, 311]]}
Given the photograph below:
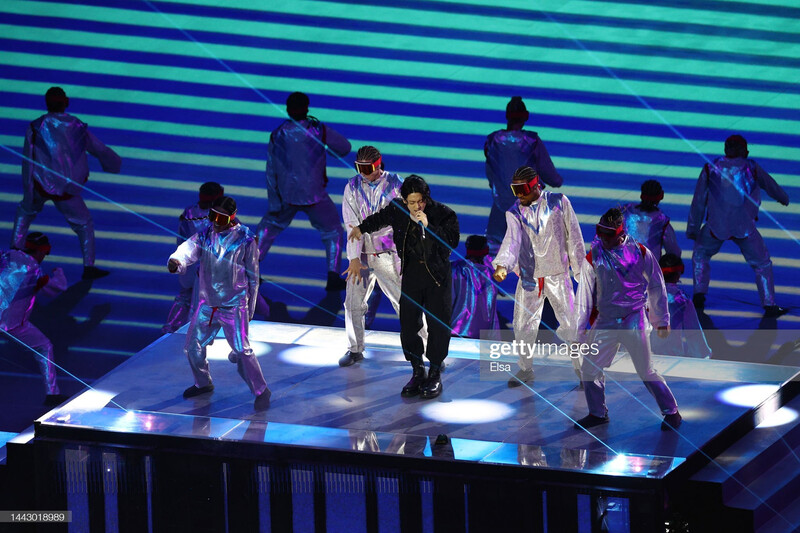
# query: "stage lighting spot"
{"points": [[467, 411], [91, 400], [310, 356], [746, 395], [219, 350], [784, 415]]}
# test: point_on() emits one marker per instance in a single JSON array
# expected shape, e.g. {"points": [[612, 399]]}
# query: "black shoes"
{"points": [[412, 388], [432, 386], [671, 422], [262, 400], [522, 376], [92, 272], [699, 301], [335, 282], [193, 391], [774, 311], [590, 421], [351, 358]]}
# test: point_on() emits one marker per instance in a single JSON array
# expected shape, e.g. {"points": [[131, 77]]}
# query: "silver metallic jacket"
{"points": [[361, 199], [59, 142], [228, 266], [21, 278], [474, 298], [296, 161], [543, 239], [728, 193], [651, 228], [506, 151], [620, 282]]}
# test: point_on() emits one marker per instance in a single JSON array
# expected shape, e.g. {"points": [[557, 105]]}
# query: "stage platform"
{"points": [[352, 421]]}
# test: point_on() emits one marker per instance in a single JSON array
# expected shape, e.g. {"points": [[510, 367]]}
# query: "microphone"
{"points": [[421, 225]]}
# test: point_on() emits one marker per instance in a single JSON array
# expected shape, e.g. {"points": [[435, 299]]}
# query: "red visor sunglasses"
{"points": [[367, 167], [610, 232], [220, 218], [524, 189]]}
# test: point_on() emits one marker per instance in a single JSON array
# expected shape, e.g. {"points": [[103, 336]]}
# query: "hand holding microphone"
{"points": [[422, 219]]}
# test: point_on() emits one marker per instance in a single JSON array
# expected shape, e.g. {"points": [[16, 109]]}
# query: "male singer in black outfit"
{"points": [[425, 232]]}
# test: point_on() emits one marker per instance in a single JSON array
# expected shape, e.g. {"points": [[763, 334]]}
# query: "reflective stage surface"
{"points": [[316, 404]]}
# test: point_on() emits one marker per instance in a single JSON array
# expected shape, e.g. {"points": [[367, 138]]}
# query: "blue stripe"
{"points": [[343, 49], [244, 93], [489, 11]]}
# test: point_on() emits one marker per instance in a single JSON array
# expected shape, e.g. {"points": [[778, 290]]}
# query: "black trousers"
{"points": [[420, 292]]}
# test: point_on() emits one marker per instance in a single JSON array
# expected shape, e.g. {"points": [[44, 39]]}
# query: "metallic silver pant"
{"points": [[234, 321], [385, 270], [607, 335], [754, 251], [74, 210], [528, 312], [30, 335]]}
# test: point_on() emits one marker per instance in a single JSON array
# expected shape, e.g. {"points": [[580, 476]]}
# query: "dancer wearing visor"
{"points": [[619, 286], [55, 168], [647, 224], [507, 150], [725, 207], [296, 181], [372, 258], [21, 280], [542, 242], [194, 219], [227, 253], [425, 233]]}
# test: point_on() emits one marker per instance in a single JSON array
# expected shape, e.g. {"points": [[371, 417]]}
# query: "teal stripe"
{"points": [[566, 109]]}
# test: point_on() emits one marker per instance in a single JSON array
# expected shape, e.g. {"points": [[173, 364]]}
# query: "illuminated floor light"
{"points": [[310, 356], [746, 395], [219, 350], [467, 411], [91, 400], [782, 416]]}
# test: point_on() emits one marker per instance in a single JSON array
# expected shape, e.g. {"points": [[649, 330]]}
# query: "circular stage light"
{"points": [[219, 350], [746, 395], [310, 356], [467, 411], [784, 415]]}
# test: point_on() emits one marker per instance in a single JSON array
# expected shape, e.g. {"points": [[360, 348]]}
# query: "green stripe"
{"points": [[463, 154], [511, 25], [660, 13], [439, 71], [566, 109], [565, 165], [225, 79], [643, 61]]}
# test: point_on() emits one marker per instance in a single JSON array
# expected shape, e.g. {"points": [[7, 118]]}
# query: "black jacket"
{"points": [[441, 235]]}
